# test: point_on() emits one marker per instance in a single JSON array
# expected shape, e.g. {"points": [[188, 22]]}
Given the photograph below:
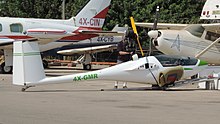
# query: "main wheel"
{"points": [[87, 66], [6, 69]]}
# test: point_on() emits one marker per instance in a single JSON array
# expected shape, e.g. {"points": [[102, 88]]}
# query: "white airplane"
{"points": [[93, 45], [87, 24], [211, 10], [196, 40], [156, 70]]}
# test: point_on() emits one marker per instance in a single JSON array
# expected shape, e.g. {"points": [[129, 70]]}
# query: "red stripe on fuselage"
{"points": [[79, 36], [16, 37]]}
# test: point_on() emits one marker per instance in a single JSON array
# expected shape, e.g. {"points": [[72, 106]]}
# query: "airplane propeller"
{"points": [[156, 18], [153, 34], [135, 31]]}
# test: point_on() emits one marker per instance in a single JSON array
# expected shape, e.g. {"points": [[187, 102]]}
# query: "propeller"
{"points": [[156, 18], [153, 34], [135, 31]]}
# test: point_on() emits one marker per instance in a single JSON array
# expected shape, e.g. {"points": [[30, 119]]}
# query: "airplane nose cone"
{"points": [[153, 34]]}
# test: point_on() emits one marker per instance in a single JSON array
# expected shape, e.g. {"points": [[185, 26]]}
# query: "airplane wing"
{"points": [[116, 31], [47, 33], [162, 25], [214, 27], [88, 49], [5, 42], [103, 33]]}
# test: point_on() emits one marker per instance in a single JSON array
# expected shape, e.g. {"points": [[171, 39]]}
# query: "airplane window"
{"points": [[0, 27], [211, 36], [188, 61], [17, 28], [173, 60], [196, 30]]}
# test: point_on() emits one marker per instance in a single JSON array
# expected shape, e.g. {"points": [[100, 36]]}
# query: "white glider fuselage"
{"points": [[158, 70], [132, 71], [118, 73]]}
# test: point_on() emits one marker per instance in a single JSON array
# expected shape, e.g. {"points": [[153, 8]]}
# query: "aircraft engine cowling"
{"points": [[170, 75]]}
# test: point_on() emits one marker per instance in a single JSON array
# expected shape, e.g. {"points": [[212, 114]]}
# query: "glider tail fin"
{"points": [[27, 63]]}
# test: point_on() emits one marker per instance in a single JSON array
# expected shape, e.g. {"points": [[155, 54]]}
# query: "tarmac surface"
{"points": [[84, 103]]}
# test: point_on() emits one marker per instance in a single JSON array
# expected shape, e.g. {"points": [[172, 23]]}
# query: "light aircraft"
{"points": [[197, 40], [156, 70], [85, 25], [93, 45]]}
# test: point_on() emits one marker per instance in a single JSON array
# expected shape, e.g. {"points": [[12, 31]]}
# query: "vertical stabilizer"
{"points": [[93, 14], [28, 54], [211, 10]]}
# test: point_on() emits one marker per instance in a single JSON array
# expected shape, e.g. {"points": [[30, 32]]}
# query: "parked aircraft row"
{"points": [[161, 71], [156, 70], [52, 33], [90, 46]]}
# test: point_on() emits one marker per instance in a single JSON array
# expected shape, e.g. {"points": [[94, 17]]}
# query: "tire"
{"points": [[6, 69], [87, 67]]}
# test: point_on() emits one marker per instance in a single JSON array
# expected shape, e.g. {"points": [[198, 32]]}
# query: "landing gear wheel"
{"points": [[6, 69], [87, 66], [155, 87], [25, 88], [164, 88], [45, 64]]}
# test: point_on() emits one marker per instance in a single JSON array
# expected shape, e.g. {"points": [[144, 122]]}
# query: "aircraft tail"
{"points": [[93, 14], [26, 54], [211, 10]]}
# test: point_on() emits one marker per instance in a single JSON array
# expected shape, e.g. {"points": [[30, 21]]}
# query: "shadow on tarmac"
{"points": [[121, 89]]}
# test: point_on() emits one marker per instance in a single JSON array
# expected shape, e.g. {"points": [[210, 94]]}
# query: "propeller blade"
{"points": [[156, 18], [135, 31], [154, 34], [133, 25]]}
